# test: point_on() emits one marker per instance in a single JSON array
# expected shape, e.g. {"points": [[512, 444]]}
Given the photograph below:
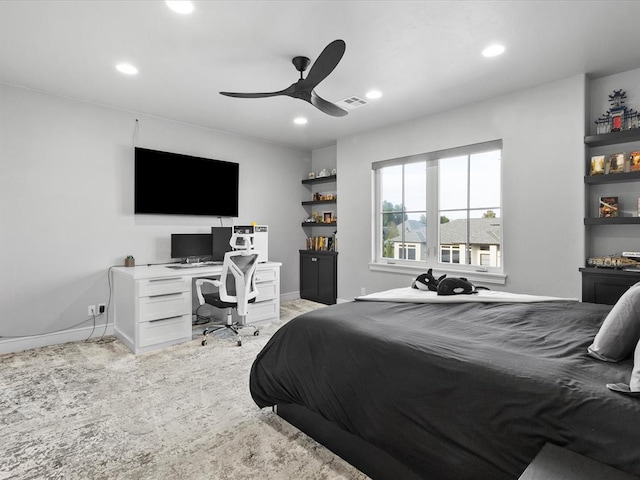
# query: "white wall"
{"points": [[66, 206], [542, 173], [324, 158]]}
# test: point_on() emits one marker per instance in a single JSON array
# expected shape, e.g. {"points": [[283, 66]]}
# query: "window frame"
{"points": [[380, 263]]}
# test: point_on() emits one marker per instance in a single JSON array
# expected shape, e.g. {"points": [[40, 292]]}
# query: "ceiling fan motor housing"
{"points": [[301, 63]]}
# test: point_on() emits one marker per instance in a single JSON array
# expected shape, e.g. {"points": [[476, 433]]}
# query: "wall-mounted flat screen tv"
{"points": [[174, 184]]}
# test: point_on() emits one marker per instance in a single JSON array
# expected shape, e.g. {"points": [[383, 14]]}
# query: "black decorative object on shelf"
{"points": [[619, 117]]}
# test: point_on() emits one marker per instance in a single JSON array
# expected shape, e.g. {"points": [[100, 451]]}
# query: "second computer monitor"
{"points": [[190, 245], [220, 237]]}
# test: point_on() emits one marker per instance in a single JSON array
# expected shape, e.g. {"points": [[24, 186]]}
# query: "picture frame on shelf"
{"points": [[327, 217], [597, 165], [634, 161], [608, 207], [615, 163]]}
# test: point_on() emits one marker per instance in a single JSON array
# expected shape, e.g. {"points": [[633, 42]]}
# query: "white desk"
{"points": [[152, 306]]}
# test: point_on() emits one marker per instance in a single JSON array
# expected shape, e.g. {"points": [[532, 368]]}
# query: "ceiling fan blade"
{"points": [[325, 64], [327, 107], [252, 95]]}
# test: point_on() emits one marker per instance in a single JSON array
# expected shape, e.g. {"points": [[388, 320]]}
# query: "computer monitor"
{"points": [[220, 237], [190, 245]]}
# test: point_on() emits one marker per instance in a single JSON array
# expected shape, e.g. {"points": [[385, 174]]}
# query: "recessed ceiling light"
{"points": [[183, 7], [493, 50], [373, 94], [127, 68], [300, 121]]}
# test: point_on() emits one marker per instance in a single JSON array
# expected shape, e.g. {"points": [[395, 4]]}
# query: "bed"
{"points": [[469, 390]]}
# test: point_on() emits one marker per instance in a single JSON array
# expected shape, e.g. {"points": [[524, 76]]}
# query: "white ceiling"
{"points": [[423, 55]]}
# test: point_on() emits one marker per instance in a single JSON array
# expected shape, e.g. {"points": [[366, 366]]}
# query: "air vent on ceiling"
{"points": [[351, 103]]}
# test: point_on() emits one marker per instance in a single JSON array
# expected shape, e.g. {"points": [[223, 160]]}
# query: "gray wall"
{"points": [[542, 176], [66, 197]]}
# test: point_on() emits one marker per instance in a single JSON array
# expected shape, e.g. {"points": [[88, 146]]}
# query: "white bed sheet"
{"points": [[413, 295]]}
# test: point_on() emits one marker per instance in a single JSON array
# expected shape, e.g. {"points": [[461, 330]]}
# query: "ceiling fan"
{"points": [[303, 89]]}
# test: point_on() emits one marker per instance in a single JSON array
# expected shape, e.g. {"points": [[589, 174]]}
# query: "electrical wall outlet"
{"points": [[363, 291], [91, 311], [101, 308]]}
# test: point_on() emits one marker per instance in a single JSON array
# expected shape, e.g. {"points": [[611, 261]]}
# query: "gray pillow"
{"points": [[634, 383], [633, 389], [620, 331]]}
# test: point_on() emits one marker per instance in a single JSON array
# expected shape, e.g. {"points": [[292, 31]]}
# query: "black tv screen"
{"points": [[174, 184]]}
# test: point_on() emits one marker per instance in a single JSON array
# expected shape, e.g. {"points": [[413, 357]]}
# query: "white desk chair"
{"points": [[236, 287]]}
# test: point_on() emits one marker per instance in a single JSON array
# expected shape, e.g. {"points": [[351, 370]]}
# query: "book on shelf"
{"points": [[634, 161], [608, 207], [318, 243], [615, 163], [597, 165]]}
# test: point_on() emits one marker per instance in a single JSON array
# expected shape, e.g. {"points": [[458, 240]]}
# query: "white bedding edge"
{"points": [[413, 295]]}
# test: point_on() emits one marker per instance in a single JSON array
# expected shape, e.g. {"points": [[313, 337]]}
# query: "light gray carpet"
{"points": [[88, 410]]}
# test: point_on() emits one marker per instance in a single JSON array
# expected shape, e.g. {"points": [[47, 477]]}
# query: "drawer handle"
{"points": [[170, 279], [314, 259], [165, 294], [163, 319]]}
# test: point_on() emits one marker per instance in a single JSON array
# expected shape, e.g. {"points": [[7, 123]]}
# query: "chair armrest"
{"points": [[200, 282]]}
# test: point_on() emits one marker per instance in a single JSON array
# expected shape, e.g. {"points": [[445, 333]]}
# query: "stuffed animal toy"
{"points": [[426, 281], [455, 286]]}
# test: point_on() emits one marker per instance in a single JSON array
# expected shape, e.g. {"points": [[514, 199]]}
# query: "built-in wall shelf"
{"points": [[613, 221], [315, 181], [318, 202], [319, 268], [612, 178], [319, 224], [613, 138], [602, 285]]}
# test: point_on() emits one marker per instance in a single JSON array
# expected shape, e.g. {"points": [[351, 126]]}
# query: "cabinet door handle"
{"points": [[314, 259]]}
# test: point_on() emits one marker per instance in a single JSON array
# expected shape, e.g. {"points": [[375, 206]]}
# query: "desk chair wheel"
{"points": [[256, 333], [204, 342], [239, 341]]}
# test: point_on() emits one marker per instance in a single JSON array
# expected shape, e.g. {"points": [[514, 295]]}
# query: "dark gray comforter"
{"points": [[458, 391]]}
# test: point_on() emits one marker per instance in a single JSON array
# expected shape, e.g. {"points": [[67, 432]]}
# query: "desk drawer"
{"points": [[164, 306], [163, 286], [164, 330], [262, 310], [266, 291], [267, 275]]}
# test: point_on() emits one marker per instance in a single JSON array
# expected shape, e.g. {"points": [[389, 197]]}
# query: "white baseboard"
{"points": [[287, 297], [11, 345]]}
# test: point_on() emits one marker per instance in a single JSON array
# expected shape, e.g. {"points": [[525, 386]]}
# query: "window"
{"points": [[440, 209]]}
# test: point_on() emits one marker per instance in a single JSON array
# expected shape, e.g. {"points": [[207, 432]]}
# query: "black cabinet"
{"points": [[606, 285], [318, 276]]}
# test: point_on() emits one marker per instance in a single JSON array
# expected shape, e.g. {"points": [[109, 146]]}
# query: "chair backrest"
{"points": [[241, 241], [238, 279]]}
